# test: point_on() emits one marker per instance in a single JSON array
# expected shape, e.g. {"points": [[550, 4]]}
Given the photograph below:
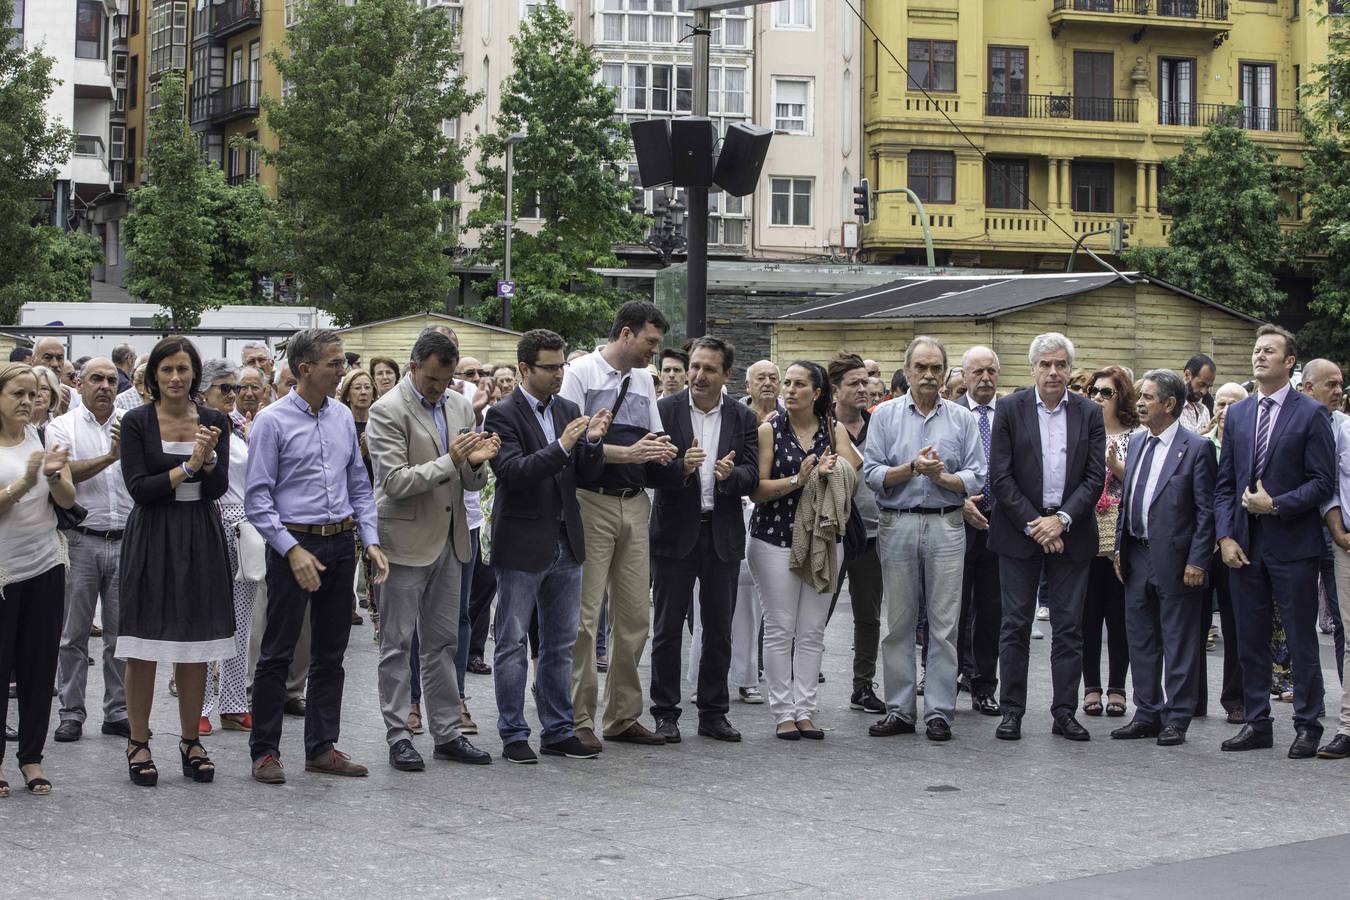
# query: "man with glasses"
{"points": [[259, 356]]}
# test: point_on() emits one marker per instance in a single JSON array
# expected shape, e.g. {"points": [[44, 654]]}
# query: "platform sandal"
{"points": [[143, 773], [199, 768]]}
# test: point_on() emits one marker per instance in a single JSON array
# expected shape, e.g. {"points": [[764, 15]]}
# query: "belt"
{"points": [[624, 493], [329, 530], [705, 517], [1143, 542], [1050, 510], [928, 511], [113, 534]]}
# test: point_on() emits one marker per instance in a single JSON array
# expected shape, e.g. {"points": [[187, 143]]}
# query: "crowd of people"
{"points": [[225, 517]]}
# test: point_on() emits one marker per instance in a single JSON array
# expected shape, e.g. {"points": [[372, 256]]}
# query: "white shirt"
{"points": [[1195, 416], [1150, 477], [238, 477], [105, 495], [707, 427], [1054, 425], [593, 384], [28, 542], [473, 510], [1279, 397], [128, 399], [544, 418], [1340, 426]]}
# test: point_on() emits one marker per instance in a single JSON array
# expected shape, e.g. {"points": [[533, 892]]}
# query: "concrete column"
{"points": [[1140, 187]]}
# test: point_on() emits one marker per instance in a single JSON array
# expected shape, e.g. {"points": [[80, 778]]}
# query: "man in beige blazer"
{"points": [[425, 454]]}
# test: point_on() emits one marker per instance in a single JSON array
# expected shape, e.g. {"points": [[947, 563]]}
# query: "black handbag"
{"points": [[66, 519], [855, 535]]}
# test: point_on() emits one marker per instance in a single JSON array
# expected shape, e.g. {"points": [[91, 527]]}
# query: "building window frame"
{"points": [[937, 75], [1093, 187], [791, 201], [794, 15], [792, 117], [1005, 187], [91, 30], [168, 38], [931, 175], [1177, 110]]}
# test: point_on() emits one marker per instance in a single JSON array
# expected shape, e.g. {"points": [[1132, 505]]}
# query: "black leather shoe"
{"points": [[1010, 729], [668, 730], [121, 728], [1305, 744], [719, 729], [1249, 739], [1135, 730], [1069, 727], [893, 724], [1337, 748], [68, 732], [937, 729], [460, 750], [963, 684], [1171, 736], [476, 666], [570, 747], [295, 707], [984, 704], [519, 752], [404, 757]]}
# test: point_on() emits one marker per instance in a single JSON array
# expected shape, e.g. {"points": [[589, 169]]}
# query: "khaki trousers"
{"points": [[617, 562]]}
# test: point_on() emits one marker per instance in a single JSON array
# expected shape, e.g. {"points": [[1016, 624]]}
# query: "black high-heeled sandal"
{"points": [[143, 774], [1093, 707], [39, 787], [199, 768], [1115, 708]]}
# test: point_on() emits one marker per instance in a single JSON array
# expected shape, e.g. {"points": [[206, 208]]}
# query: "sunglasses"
{"points": [[226, 389], [1076, 388], [1105, 393], [481, 373]]}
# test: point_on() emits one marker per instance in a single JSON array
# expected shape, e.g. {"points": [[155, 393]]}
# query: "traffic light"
{"points": [[862, 201], [1120, 237]]}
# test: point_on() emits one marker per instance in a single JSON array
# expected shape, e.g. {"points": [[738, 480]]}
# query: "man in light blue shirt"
{"points": [[923, 458]]}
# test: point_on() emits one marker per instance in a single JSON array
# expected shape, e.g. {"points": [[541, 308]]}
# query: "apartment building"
{"points": [[1072, 104]]}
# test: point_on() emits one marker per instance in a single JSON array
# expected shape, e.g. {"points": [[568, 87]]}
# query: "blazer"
{"points": [[537, 483], [146, 467], [678, 507], [1180, 514], [419, 491], [1017, 480], [1300, 475]]}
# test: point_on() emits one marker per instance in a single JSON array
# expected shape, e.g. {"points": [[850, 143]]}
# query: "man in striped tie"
{"points": [[1277, 468]]}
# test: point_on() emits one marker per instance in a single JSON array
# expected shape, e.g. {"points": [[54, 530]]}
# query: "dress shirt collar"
{"points": [[440, 401], [1167, 437], [975, 404], [1279, 396], [1063, 401], [535, 401], [693, 407], [302, 404], [87, 414], [908, 402]]}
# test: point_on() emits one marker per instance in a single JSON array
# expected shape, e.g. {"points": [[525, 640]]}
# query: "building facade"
{"points": [[1069, 106]]}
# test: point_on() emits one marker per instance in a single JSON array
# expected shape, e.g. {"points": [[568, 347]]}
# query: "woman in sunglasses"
{"points": [[228, 693], [1112, 389]]}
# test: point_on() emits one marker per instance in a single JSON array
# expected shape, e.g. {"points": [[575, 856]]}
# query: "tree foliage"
{"points": [[573, 160], [1225, 242], [363, 152]]}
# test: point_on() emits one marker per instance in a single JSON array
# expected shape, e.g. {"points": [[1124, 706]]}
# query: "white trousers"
{"points": [[794, 632]]}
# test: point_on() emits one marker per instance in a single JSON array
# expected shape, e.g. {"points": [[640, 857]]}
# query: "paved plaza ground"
{"points": [[851, 816]]}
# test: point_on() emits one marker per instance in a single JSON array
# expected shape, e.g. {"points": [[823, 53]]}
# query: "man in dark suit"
{"points": [[1164, 539], [1277, 468], [538, 545], [698, 532], [1047, 465]]}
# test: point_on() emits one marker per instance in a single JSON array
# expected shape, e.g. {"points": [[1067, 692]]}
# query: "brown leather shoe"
{"points": [[335, 762], [637, 734], [268, 771], [587, 737]]}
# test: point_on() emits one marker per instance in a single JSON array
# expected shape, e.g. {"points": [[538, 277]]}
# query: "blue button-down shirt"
{"points": [[306, 469], [437, 411], [1054, 425], [896, 434], [545, 418]]}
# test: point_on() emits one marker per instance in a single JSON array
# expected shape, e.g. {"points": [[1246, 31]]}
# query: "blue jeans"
{"points": [[556, 593], [465, 622]]}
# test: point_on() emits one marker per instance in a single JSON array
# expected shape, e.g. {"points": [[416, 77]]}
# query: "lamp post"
{"points": [[509, 223]]}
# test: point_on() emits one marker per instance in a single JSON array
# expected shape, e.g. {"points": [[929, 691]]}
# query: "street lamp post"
{"points": [[509, 223]]}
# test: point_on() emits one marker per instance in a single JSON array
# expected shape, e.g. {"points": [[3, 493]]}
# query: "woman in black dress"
{"points": [[175, 569]]}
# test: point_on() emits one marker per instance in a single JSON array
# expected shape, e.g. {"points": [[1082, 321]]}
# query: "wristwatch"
{"points": [[1063, 519], [793, 480]]}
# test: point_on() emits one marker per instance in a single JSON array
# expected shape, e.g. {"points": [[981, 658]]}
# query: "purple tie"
{"points": [[985, 491], [1262, 438]]}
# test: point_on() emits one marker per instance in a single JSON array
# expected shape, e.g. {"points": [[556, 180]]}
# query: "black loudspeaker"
{"points": [[651, 141], [691, 148], [742, 158]]}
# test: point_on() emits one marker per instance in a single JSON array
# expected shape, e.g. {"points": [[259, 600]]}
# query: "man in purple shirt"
{"points": [[307, 491]]}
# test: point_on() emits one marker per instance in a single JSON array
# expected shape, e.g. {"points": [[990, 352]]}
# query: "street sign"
{"points": [[506, 289]]}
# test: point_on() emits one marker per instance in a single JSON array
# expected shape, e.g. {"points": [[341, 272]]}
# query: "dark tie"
{"points": [[1137, 519], [542, 407], [985, 492], [1262, 438]]}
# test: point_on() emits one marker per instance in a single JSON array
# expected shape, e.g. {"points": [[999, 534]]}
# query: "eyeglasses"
{"points": [[226, 389], [1105, 393], [1077, 388], [551, 368], [481, 373]]}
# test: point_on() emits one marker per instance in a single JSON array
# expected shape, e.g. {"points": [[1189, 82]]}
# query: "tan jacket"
{"points": [[822, 516], [419, 492]]}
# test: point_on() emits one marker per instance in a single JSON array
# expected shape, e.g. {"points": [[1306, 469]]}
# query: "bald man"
{"points": [[51, 352], [1322, 380]]}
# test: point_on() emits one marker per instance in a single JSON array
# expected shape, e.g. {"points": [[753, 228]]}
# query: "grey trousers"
{"points": [[421, 600], [93, 573], [299, 670]]}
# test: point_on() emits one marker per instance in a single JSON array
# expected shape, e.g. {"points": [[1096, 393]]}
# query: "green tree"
{"points": [[168, 233], [364, 164], [573, 159], [245, 242], [38, 262]]}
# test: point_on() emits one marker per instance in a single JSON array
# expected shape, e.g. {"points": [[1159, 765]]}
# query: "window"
{"points": [[733, 28], [726, 219], [291, 14], [89, 42], [130, 168], [794, 14], [642, 88], [1257, 92], [792, 105], [790, 201], [133, 81], [663, 22], [117, 143], [1093, 85], [254, 71], [119, 82], [1176, 91], [135, 29], [1163, 178], [932, 65], [662, 96], [637, 87], [1007, 81], [168, 36], [932, 175], [1094, 187], [1005, 183]]}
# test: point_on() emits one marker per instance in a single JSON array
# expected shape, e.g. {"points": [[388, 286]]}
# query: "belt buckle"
{"points": [[327, 530]]}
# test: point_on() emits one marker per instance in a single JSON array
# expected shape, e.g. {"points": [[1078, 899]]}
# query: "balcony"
{"points": [[238, 101], [88, 165], [1251, 118], [1206, 18], [1056, 106], [234, 16]]}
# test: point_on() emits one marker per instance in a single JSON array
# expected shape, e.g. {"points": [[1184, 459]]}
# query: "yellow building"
{"points": [[1074, 102], [394, 338]]}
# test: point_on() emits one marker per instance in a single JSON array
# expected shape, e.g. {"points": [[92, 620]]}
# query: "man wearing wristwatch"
{"points": [[1047, 467]]}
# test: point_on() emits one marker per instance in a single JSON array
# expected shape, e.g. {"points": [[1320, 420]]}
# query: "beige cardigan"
{"points": [[822, 516]]}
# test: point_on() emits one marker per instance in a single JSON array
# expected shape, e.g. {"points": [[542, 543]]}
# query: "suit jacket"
{"points": [[419, 491], [1180, 514], [678, 509], [1017, 479], [537, 483], [1300, 475]]}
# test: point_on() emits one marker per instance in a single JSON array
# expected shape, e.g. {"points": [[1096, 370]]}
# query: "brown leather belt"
{"points": [[332, 528]]}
